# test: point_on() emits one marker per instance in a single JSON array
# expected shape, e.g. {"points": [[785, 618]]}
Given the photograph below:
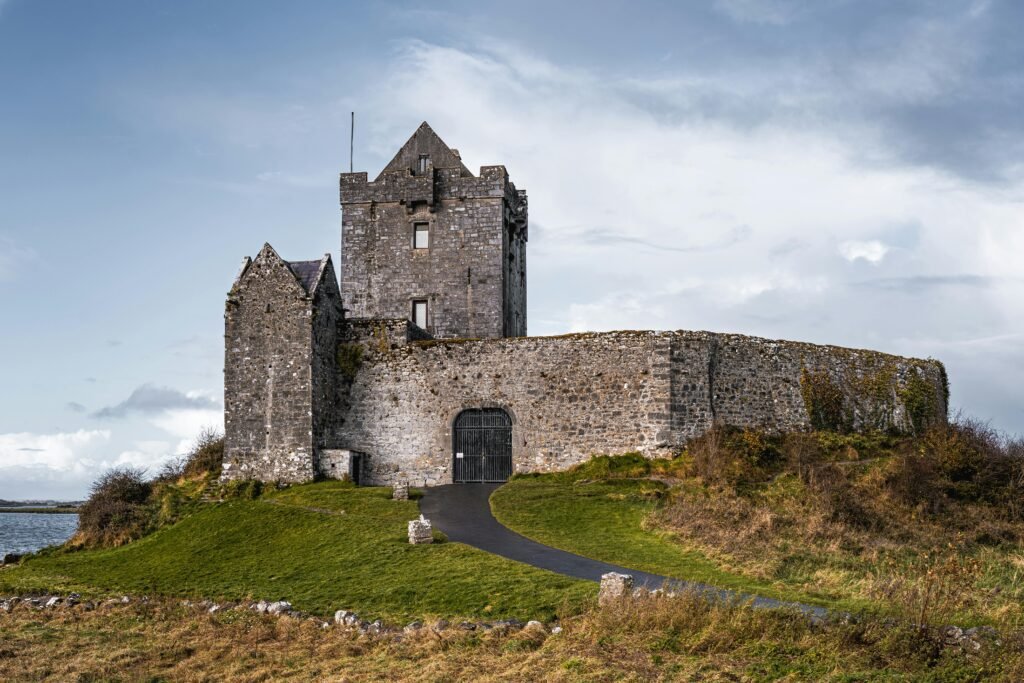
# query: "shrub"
{"points": [[206, 456], [116, 511]]}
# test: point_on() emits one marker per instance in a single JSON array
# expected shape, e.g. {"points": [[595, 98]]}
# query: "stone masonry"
{"points": [[472, 271], [574, 396], [322, 381]]}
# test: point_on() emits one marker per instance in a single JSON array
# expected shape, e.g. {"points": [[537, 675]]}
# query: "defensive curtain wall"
{"points": [[574, 396]]}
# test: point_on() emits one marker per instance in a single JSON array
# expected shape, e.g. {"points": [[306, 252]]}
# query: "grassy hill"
{"points": [[324, 547], [928, 528]]}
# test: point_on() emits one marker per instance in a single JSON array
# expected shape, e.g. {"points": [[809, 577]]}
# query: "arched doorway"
{"points": [[482, 446]]}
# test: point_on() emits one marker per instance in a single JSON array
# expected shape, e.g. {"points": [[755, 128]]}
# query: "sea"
{"points": [[25, 532]]}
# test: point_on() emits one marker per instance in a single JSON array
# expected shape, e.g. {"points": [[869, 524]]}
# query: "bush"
{"points": [[206, 456], [116, 511]]}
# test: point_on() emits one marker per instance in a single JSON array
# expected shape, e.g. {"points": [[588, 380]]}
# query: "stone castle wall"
{"points": [[575, 396]]}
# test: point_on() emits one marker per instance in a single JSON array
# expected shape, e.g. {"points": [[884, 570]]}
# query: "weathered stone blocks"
{"points": [[420, 531], [613, 587]]}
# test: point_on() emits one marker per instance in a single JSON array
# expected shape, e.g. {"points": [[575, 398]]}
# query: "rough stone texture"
{"points": [[341, 463], [613, 587], [420, 531], [575, 396], [400, 492], [473, 274], [309, 388], [281, 389]]}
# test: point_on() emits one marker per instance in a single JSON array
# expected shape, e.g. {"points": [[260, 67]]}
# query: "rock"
{"points": [[484, 626], [467, 626], [125, 599], [534, 625], [510, 624], [556, 630], [214, 609], [613, 587], [640, 593], [73, 599], [400, 492], [279, 607], [376, 628], [420, 531], [413, 626], [262, 606], [11, 558], [440, 625], [6, 606], [53, 602]]}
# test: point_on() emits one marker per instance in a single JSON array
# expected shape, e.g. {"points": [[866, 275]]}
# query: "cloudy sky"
{"points": [[831, 171]]}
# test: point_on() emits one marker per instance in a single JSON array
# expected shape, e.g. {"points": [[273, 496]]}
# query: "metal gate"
{"points": [[482, 443]]}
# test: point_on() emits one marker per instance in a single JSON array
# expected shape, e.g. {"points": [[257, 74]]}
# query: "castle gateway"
{"points": [[418, 369]]}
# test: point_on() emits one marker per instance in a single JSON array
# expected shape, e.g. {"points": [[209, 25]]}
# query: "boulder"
{"points": [[400, 492], [53, 602]]}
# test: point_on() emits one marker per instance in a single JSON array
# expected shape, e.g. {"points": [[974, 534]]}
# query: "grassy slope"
{"points": [[603, 519], [323, 547]]}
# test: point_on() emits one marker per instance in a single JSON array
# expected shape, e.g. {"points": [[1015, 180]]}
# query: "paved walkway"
{"points": [[463, 513]]}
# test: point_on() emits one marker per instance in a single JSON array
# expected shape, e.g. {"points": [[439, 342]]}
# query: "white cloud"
{"points": [[871, 251], [13, 257], [186, 424]]}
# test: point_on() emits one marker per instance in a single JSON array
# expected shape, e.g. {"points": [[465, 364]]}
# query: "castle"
{"points": [[417, 368]]}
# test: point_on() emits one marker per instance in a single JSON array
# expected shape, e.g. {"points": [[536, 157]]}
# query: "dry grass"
{"points": [[682, 638], [901, 521]]}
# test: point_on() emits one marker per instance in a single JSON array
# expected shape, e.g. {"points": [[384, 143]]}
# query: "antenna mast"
{"points": [[351, 140]]}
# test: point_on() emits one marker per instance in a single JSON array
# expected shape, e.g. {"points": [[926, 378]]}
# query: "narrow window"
{"points": [[424, 160], [420, 235], [419, 312]]}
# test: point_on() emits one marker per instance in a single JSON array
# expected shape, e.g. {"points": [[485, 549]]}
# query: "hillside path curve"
{"points": [[463, 513]]}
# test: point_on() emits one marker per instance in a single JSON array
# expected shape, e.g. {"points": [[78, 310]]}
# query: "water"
{"points": [[25, 532]]}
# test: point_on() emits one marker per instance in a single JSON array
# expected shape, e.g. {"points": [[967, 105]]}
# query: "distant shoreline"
{"points": [[43, 510]]}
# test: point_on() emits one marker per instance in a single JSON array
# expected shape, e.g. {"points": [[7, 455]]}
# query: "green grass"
{"points": [[323, 547], [604, 519]]}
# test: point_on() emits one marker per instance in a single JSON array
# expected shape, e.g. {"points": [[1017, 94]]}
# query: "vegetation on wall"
{"points": [[823, 400], [871, 399], [349, 358]]}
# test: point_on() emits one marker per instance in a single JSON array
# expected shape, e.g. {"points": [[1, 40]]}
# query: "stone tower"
{"points": [[429, 241], [281, 387]]}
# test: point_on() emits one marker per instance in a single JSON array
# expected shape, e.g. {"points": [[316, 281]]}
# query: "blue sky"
{"points": [[838, 172]]}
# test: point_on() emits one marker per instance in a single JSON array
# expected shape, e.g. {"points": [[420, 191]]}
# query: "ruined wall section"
{"points": [[267, 378], [784, 385], [569, 398], [462, 274]]}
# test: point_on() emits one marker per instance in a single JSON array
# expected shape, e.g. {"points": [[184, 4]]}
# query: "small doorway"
{"points": [[355, 468], [482, 446]]}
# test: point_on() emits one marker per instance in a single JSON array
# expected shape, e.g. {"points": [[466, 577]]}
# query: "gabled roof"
{"points": [[309, 274], [425, 141]]}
